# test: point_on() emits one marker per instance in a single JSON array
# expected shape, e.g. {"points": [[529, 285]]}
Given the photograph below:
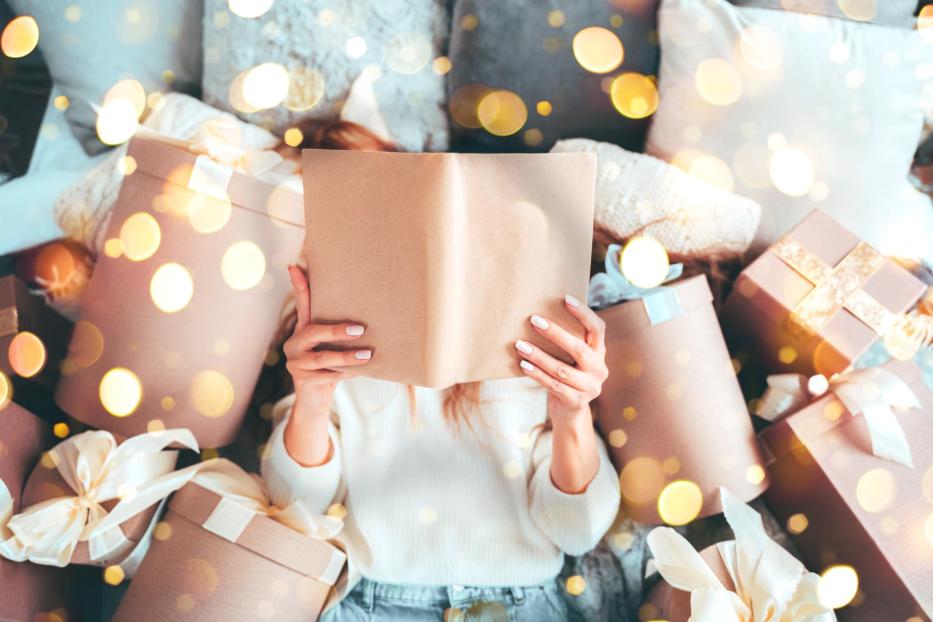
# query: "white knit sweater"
{"points": [[429, 505]]}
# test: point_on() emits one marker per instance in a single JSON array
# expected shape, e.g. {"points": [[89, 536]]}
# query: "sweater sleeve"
{"points": [[573, 522], [288, 481]]}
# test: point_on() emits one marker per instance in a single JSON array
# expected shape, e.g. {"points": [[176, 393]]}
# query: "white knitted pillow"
{"points": [[639, 194], [325, 45]]}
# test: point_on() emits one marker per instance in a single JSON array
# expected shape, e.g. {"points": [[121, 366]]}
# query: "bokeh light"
{"points": [[140, 236], [243, 265], [6, 390], [502, 113], [305, 89], [26, 354], [464, 102], [264, 86], [718, 82], [634, 95], [211, 393], [837, 586], [641, 480], [875, 490], [128, 90], [249, 8], [597, 49], [575, 585], [117, 121], [712, 170], [407, 54], [792, 171], [87, 344], [797, 524], [114, 575], [208, 214], [859, 10], [171, 288], [760, 48], [120, 392], [680, 502], [644, 262], [20, 37], [293, 137], [925, 23]]}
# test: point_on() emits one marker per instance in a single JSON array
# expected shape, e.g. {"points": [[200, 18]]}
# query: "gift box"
{"points": [[33, 336], [445, 256], [846, 506], [816, 299], [742, 580], [90, 500], [671, 412], [229, 555], [180, 311], [26, 590]]}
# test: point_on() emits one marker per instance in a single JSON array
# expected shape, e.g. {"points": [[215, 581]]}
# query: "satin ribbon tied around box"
{"points": [[871, 392], [138, 472], [612, 287], [770, 584]]}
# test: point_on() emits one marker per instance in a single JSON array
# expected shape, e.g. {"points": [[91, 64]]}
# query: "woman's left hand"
{"points": [[571, 388]]}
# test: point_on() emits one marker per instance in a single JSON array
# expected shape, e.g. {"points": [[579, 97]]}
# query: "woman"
{"points": [[461, 503]]}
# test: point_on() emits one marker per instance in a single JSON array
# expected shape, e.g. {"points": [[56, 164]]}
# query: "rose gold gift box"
{"points": [[672, 408], [857, 509], [270, 572], [27, 590], [816, 299], [187, 311]]}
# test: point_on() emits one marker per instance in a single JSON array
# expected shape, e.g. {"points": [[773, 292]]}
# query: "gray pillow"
{"points": [[325, 45], [525, 46], [90, 46], [882, 12]]}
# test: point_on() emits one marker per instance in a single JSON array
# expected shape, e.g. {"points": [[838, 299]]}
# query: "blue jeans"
{"points": [[371, 601]]}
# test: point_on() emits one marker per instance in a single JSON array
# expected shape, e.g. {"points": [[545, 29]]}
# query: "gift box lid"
{"points": [[805, 426], [266, 537], [168, 159], [633, 315]]}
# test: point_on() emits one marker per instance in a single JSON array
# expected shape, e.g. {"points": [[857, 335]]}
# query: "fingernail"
{"points": [[526, 365], [539, 322], [523, 346], [355, 330], [570, 300], [363, 355]]}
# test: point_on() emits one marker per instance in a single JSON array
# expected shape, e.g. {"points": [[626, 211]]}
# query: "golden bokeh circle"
{"points": [[120, 392], [598, 49], [20, 36], [634, 95], [211, 393], [171, 288], [27, 354], [140, 236], [502, 113], [680, 502]]}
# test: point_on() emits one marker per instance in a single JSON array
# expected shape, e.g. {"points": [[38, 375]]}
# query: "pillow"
{"points": [[325, 45], [637, 194], [526, 48], [89, 47], [797, 112], [883, 12]]}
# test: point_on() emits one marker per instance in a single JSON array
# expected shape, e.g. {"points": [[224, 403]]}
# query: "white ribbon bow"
{"points": [[771, 585], [137, 472], [611, 287], [221, 139], [244, 496], [873, 392]]}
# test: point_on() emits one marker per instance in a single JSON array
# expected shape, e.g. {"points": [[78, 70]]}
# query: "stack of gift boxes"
{"points": [[175, 325]]}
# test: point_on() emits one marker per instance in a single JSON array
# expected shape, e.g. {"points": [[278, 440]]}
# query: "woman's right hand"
{"points": [[316, 373]]}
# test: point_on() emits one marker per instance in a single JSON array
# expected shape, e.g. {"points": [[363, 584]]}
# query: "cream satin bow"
{"points": [[221, 140], [244, 496], [97, 469], [873, 392], [771, 585]]}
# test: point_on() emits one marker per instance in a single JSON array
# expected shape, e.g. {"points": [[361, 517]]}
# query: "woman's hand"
{"points": [[571, 388], [574, 456], [315, 374]]}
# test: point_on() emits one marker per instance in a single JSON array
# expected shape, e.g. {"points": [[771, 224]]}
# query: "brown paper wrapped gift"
{"points": [[33, 336], [186, 313], [845, 505], [223, 557], [445, 256], [816, 299], [672, 408], [26, 590]]}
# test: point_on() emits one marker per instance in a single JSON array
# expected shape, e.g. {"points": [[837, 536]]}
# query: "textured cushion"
{"points": [[89, 46], [526, 47], [637, 194], [325, 45], [883, 12], [797, 112]]}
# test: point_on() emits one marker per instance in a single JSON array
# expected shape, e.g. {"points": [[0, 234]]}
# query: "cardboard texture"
{"points": [[672, 408], [22, 311], [26, 590], [672, 605], [445, 256], [271, 572], [197, 366], [823, 468], [759, 312]]}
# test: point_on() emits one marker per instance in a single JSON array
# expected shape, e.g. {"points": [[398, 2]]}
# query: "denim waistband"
{"points": [[444, 595]]}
